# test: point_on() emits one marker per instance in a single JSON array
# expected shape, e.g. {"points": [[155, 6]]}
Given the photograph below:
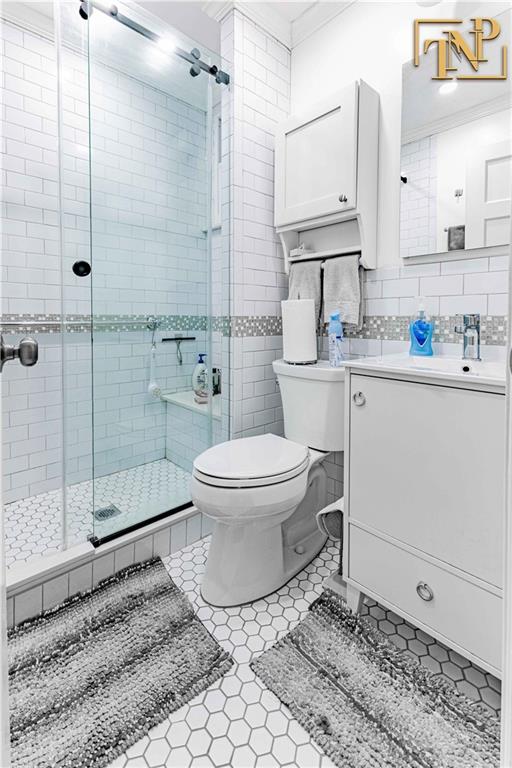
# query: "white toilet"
{"points": [[263, 492]]}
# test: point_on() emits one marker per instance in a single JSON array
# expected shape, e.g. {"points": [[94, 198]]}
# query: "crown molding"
{"points": [[315, 17], [272, 23], [461, 117], [217, 9], [290, 34]]}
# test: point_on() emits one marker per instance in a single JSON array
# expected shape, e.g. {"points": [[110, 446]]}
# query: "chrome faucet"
{"points": [[470, 329]]}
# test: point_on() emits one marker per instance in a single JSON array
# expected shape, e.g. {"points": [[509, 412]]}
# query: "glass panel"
{"points": [[73, 61], [41, 228], [151, 152]]}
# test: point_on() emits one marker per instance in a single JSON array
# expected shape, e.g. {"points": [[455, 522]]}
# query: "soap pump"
{"points": [[200, 380], [421, 330]]}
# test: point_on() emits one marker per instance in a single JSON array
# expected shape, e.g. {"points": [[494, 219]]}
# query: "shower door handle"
{"points": [[27, 352]]}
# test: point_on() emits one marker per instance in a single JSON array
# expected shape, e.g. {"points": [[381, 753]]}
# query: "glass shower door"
{"points": [[150, 176]]}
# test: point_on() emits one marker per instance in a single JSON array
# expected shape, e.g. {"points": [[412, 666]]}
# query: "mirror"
{"points": [[456, 160]]}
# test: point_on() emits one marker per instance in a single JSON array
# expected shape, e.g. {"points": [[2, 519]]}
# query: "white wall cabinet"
{"points": [[424, 506], [316, 160], [326, 171]]}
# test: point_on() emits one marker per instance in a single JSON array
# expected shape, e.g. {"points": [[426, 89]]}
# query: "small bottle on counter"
{"points": [[335, 332]]}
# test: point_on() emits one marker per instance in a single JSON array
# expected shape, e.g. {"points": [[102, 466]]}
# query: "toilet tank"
{"points": [[313, 404]]}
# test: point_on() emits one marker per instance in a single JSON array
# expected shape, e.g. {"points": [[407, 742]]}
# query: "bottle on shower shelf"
{"points": [[200, 380]]}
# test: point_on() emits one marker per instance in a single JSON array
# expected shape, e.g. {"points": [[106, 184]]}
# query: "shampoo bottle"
{"points": [[200, 380], [421, 330]]}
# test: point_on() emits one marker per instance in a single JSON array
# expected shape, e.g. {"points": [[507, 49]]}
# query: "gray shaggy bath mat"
{"points": [[92, 676], [368, 705]]}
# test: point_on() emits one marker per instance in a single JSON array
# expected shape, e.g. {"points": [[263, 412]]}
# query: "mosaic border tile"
{"points": [[16, 324], [493, 329], [256, 325], [380, 327]]}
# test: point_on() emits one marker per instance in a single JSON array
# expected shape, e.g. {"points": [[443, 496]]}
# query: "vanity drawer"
{"points": [[461, 611]]}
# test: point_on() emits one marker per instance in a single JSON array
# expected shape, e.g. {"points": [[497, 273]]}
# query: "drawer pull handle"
{"points": [[424, 591], [359, 398]]}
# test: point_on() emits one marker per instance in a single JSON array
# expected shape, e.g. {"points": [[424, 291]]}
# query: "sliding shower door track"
{"points": [[97, 541]]}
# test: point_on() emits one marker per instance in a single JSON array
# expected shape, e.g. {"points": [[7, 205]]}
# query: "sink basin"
{"points": [[477, 371], [457, 365]]}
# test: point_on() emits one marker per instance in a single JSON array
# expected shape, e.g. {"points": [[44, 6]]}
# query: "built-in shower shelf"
{"points": [[186, 400]]}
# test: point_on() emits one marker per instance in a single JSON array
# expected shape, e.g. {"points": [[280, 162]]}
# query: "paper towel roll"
{"points": [[299, 331]]}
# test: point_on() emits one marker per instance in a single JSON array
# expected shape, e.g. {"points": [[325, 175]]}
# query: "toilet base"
{"points": [[251, 559], [228, 582]]}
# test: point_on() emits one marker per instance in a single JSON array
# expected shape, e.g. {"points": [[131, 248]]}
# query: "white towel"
{"points": [[343, 292], [305, 282]]}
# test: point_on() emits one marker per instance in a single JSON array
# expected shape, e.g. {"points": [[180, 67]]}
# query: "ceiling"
{"points": [[188, 17], [288, 11]]}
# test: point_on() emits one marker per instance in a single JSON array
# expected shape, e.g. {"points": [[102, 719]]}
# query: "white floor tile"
{"points": [[238, 722], [34, 525]]}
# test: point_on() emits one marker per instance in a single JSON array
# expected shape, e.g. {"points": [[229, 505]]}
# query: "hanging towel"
{"points": [[343, 290], [305, 282]]}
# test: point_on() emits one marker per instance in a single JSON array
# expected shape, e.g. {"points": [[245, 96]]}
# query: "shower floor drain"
{"points": [[105, 513]]}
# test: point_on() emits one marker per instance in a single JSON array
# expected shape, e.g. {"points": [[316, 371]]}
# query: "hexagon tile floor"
{"points": [[238, 722], [34, 526]]}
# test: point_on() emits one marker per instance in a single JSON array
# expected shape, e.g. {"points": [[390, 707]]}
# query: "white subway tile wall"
{"points": [[149, 183], [189, 434], [418, 213], [259, 100], [449, 287]]}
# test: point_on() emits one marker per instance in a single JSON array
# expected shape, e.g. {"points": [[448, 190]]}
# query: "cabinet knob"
{"points": [[359, 398], [424, 591], [343, 199]]}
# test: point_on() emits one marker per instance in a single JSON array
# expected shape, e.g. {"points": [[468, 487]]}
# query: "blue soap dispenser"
{"points": [[421, 330]]}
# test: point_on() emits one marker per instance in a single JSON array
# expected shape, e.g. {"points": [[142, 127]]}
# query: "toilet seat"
{"points": [[251, 462]]}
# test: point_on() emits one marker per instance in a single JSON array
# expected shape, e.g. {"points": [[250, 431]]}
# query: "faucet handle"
{"points": [[472, 321], [460, 327], [468, 321]]}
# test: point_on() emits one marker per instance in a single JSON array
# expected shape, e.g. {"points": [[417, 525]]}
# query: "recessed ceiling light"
{"points": [[446, 88]]}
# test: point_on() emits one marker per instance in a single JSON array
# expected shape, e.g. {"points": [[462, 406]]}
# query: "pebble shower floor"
{"points": [[238, 722]]}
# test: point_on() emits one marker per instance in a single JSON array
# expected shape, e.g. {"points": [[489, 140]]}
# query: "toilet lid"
{"points": [[263, 459]]}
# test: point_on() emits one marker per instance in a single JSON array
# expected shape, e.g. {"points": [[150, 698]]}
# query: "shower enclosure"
{"points": [[124, 261]]}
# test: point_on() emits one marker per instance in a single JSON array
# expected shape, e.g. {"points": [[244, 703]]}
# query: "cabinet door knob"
{"points": [[424, 591], [343, 199], [358, 398]]}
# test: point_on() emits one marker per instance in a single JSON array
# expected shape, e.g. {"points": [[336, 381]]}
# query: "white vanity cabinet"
{"points": [[424, 503]]}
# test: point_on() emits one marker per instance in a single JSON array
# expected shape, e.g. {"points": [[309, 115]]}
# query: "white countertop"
{"points": [[481, 373], [186, 400]]}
